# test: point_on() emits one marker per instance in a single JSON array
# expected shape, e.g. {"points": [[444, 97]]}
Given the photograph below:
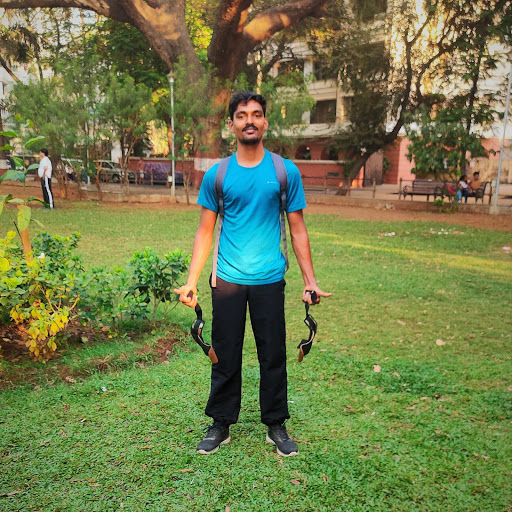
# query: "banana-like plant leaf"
{"points": [[13, 175], [35, 200], [24, 214], [39, 224], [35, 140], [28, 124], [18, 162], [32, 166], [17, 200], [9, 133], [7, 146]]}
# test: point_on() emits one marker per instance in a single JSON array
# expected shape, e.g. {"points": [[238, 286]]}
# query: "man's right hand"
{"points": [[188, 295]]}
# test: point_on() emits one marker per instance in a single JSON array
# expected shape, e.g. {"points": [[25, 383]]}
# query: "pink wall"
{"points": [[400, 165], [495, 144]]}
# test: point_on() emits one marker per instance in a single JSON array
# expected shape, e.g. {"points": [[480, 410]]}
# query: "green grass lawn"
{"points": [[430, 431]]}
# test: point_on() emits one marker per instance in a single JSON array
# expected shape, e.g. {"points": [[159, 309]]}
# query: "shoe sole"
{"points": [[204, 452], [291, 454]]}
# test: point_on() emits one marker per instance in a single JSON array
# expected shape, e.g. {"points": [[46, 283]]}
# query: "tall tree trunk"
{"points": [[471, 104]]}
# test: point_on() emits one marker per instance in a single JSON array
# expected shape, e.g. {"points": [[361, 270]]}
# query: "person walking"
{"points": [[45, 174], [249, 273]]}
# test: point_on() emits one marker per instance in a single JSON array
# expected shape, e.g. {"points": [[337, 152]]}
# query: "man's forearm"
{"points": [[200, 252], [302, 250]]}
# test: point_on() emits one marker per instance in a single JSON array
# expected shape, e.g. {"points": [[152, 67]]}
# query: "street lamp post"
{"points": [[505, 119], [173, 177]]}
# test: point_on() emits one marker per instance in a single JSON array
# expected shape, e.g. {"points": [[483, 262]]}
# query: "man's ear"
{"points": [[265, 125], [231, 126]]}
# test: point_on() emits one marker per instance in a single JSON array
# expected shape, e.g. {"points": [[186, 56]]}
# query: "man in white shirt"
{"points": [[45, 173]]}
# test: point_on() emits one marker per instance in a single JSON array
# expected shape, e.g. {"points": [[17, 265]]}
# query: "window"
{"points": [[321, 71], [329, 153], [303, 153], [324, 112]]}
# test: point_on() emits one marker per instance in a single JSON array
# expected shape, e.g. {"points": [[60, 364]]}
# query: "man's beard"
{"points": [[250, 142]]}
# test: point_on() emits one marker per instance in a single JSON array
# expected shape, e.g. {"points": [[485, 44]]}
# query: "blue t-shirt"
{"points": [[249, 245]]}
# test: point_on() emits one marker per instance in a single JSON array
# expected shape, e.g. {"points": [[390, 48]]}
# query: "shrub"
{"points": [[42, 295], [38, 294], [155, 277]]}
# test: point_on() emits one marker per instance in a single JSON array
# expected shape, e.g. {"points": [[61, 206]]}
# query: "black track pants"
{"points": [[46, 186], [266, 309]]}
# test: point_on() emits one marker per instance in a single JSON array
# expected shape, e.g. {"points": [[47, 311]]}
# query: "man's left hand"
{"points": [[306, 294]]}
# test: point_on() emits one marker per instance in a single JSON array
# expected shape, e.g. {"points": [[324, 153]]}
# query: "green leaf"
{"points": [[32, 166], [34, 200], [18, 162], [28, 124], [35, 140], [39, 224], [4, 264], [7, 146], [13, 175], [24, 214], [17, 200], [9, 133]]}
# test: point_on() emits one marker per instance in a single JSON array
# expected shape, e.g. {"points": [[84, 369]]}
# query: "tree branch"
{"points": [[108, 8], [234, 37], [267, 23], [231, 16], [161, 21], [7, 68]]}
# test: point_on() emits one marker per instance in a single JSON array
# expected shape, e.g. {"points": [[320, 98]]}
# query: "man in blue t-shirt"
{"points": [[250, 273]]}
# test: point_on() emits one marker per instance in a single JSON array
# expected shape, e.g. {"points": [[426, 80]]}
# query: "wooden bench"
{"points": [[423, 187], [480, 192]]}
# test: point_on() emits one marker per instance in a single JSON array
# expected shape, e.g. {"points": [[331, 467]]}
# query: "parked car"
{"points": [[160, 171], [112, 172]]}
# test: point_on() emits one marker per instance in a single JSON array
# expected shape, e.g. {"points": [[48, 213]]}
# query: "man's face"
{"points": [[249, 123], [41, 155]]}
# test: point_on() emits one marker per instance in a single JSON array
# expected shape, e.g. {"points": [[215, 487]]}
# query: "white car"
{"points": [[112, 172]]}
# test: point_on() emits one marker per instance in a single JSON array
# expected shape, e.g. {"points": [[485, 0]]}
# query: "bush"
{"points": [[38, 294], [44, 294], [155, 277]]}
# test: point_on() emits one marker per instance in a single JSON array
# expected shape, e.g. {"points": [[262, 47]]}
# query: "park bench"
{"points": [[478, 194], [423, 187]]}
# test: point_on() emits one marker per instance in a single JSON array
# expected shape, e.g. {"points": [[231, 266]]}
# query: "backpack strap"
{"points": [[219, 180], [282, 178]]}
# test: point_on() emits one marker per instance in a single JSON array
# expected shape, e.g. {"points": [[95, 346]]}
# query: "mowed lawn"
{"points": [[403, 404]]}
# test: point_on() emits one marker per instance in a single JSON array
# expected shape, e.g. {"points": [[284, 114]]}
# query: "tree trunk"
{"points": [[97, 182], [357, 165]]}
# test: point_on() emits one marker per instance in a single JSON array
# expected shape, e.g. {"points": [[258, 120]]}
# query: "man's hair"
{"points": [[245, 97], [475, 173], [44, 150]]}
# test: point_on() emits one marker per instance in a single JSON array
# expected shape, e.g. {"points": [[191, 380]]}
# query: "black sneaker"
{"points": [[278, 435], [216, 435]]}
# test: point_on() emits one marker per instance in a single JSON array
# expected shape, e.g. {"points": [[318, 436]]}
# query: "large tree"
{"points": [[428, 51], [238, 28]]}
